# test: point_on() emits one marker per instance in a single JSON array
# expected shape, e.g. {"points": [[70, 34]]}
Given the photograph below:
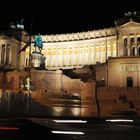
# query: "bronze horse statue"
{"points": [[38, 42]]}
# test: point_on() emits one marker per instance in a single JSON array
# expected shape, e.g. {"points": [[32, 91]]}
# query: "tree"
{"points": [[93, 71]]}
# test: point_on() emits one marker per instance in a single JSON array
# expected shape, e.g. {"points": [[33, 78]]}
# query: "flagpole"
{"points": [[30, 49], [29, 68], [106, 45], [106, 60]]}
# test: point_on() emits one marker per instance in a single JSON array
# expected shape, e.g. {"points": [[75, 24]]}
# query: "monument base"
{"points": [[38, 60]]}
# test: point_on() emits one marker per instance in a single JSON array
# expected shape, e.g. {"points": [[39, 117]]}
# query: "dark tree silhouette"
{"points": [[93, 71]]}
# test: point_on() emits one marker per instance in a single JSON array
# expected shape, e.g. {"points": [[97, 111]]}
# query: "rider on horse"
{"points": [[38, 42]]}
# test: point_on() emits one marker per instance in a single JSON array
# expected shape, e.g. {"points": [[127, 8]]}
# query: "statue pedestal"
{"points": [[38, 60]]}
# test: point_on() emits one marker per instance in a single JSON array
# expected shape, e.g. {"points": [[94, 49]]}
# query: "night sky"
{"points": [[55, 17]]}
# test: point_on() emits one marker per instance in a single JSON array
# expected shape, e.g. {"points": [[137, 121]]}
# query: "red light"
{"points": [[9, 128]]}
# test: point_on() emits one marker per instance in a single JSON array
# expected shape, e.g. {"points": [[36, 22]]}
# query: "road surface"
{"points": [[69, 129]]}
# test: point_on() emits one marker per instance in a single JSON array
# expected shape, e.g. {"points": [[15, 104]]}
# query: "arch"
{"points": [[129, 81], [126, 51], [139, 50], [133, 51], [3, 54]]}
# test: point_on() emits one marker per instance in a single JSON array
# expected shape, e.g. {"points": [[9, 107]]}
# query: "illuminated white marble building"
{"points": [[75, 50], [88, 48], [119, 44]]}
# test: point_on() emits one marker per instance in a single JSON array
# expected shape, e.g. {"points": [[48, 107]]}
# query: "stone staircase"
{"points": [[76, 75], [123, 110]]}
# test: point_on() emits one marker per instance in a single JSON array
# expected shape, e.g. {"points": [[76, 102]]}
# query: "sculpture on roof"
{"points": [[19, 25]]}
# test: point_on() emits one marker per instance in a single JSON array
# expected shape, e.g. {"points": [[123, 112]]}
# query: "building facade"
{"points": [[115, 52], [66, 84]]}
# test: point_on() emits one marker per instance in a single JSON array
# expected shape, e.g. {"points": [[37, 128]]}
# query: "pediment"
{"points": [[129, 24]]}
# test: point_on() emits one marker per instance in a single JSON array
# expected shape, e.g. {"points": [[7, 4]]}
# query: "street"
{"points": [[69, 129]]}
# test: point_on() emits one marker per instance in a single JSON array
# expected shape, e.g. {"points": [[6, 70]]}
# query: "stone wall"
{"points": [[12, 80], [118, 101], [51, 91], [56, 94]]}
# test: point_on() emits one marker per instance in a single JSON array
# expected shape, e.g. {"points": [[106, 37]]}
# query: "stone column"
{"points": [[50, 57], [62, 58], [100, 54], [10, 56], [89, 54], [72, 54], [86, 55], [83, 55], [56, 56], [75, 56], [111, 49], [95, 54], [135, 44], [67, 56], [0, 54], [5, 55], [128, 45]]}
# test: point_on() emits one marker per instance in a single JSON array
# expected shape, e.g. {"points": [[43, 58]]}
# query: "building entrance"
{"points": [[129, 81]]}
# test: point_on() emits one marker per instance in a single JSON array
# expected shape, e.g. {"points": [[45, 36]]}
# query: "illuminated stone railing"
{"points": [[80, 35]]}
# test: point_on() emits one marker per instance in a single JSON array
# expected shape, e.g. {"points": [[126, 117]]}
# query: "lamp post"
{"points": [[36, 60], [29, 70]]}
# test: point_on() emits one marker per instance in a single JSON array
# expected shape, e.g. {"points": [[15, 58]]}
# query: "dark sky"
{"points": [[56, 16]]}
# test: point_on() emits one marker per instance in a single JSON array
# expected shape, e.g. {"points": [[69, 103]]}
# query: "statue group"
{"points": [[19, 25], [38, 42], [38, 59]]}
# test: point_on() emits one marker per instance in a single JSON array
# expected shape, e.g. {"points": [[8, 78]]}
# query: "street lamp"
{"points": [[29, 70], [36, 60]]}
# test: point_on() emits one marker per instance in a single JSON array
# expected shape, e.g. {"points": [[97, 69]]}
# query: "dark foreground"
{"points": [[71, 129]]}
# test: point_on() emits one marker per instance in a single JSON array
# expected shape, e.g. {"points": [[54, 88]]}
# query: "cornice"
{"points": [[80, 35]]}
